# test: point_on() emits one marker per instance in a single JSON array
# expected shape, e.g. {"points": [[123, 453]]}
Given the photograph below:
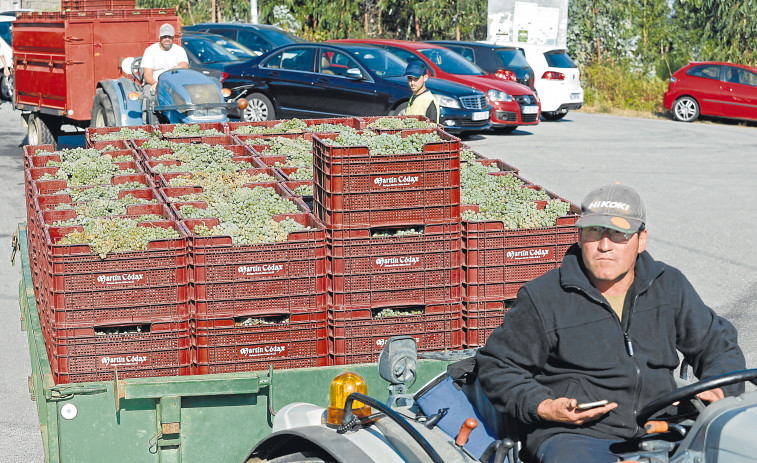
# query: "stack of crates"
{"points": [[394, 246], [498, 261], [127, 312], [253, 306]]}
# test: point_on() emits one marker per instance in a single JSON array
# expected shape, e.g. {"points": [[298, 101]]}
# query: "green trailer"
{"points": [[203, 418]]}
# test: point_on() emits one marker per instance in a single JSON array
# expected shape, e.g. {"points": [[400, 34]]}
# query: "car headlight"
{"points": [[498, 95], [447, 102]]}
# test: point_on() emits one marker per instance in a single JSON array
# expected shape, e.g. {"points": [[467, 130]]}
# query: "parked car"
{"points": [[205, 55], [507, 63], [232, 46], [513, 104], [557, 79], [257, 37], [321, 80], [714, 89]]}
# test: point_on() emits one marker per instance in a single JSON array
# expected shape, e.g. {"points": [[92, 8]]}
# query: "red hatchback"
{"points": [[712, 88], [513, 104]]}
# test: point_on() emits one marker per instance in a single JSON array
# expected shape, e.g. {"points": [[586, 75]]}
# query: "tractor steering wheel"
{"points": [[136, 70], [692, 390]]}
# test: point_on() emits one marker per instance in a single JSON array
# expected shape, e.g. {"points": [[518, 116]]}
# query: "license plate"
{"points": [[575, 96], [480, 115], [530, 109]]}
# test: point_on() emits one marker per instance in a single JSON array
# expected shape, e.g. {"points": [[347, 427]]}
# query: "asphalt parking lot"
{"points": [[697, 181]]}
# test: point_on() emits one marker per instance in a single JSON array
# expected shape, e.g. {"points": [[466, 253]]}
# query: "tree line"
{"points": [[654, 37]]}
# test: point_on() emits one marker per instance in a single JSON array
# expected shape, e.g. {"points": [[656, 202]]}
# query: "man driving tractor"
{"points": [[585, 346]]}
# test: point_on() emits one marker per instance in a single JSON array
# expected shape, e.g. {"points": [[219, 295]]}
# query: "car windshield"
{"points": [[452, 63], [380, 62], [559, 59], [234, 47], [207, 51], [512, 57], [279, 37]]}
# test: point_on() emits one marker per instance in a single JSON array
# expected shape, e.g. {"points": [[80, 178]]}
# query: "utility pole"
{"points": [[254, 11]]}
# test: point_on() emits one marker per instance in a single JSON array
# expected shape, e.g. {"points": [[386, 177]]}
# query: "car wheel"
{"points": [[686, 109], [259, 108], [506, 129], [399, 110], [38, 132], [102, 111], [553, 116]]}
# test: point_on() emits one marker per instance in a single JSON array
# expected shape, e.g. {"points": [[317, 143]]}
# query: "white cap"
{"points": [[166, 29]]}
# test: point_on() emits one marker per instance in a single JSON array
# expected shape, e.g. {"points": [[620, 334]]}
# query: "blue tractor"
{"points": [[183, 96]]}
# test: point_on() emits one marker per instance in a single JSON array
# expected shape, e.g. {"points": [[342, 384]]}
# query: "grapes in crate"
{"points": [[110, 235], [384, 143]]}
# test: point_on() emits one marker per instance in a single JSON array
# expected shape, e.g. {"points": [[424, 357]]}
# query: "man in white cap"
{"points": [[162, 56], [586, 346]]}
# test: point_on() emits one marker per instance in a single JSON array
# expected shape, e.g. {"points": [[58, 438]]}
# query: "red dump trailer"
{"points": [[62, 57]]}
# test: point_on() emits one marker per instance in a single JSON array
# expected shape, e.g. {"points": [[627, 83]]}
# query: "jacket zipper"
{"points": [[629, 348]]}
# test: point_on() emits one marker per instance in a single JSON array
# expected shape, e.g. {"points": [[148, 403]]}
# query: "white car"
{"points": [[557, 79]]}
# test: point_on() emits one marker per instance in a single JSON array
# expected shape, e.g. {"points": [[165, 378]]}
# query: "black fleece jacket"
{"points": [[561, 338]]}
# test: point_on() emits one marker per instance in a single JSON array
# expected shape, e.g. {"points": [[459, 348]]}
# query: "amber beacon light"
{"points": [[341, 387]]}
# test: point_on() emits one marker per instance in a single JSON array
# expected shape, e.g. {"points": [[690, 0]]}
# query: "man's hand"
{"points": [[6, 72], [713, 395], [563, 410]]}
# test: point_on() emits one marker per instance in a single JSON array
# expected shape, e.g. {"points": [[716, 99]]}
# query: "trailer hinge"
{"points": [[70, 62], [59, 393], [72, 39], [30, 382]]}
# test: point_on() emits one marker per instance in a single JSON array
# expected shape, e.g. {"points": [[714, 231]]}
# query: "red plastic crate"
{"points": [[354, 189], [172, 194], [113, 144], [48, 204], [358, 335], [501, 282], [374, 271], [481, 318], [91, 132], [81, 289], [48, 187], [223, 346], [240, 280], [490, 244], [80, 355]]}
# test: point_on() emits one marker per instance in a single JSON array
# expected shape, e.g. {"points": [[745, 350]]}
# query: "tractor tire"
{"points": [[6, 88], [553, 116], [399, 110], [259, 108], [102, 111], [39, 131]]}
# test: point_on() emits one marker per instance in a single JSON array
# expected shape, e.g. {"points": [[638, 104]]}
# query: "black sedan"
{"points": [[323, 80], [505, 62], [206, 56]]}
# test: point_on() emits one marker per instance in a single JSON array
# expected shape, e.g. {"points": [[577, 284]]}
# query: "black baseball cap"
{"points": [[416, 68], [613, 206]]}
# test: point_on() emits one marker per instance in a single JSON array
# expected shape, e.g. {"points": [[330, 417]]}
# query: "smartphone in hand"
{"points": [[590, 405]]}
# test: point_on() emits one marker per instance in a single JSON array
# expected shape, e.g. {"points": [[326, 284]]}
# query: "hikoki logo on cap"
{"points": [[610, 205]]}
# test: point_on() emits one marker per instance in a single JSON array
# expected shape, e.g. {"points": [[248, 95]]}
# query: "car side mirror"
{"points": [[354, 73]]}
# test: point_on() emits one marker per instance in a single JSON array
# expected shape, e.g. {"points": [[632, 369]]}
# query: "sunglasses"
{"points": [[166, 37], [590, 234]]}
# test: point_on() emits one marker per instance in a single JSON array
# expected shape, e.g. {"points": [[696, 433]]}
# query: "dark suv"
{"points": [[257, 37], [504, 62]]}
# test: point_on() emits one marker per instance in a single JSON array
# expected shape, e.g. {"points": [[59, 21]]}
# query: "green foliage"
{"points": [[613, 86]]}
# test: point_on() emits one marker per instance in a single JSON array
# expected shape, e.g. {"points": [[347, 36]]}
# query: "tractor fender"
{"points": [[313, 438], [126, 112], [298, 427]]}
